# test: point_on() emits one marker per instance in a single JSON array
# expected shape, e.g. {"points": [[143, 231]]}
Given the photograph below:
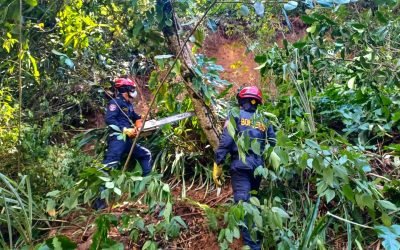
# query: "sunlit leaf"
{"points": [[110, 184], [341, 1], [387, 204], [167, 211], [255, 201], [53, 193], [309, 4], [199, 36], [389, 235], [386, 219], [396, 116], [180, 221], [31, 3], [211, 24], [291, 5], [69, 63], [231, 124], [313, 144], [166, 188], [151, 245], [360, 28], [325, 3], [311, 29], [282, 213], [259, 8], [117, 191], [274, 160], [59, 242], [57, 53], [71, 202], [256, 147], [115, 127], [107, 179], [36, 73], [329, 194], [163, 56], [50, 207]]}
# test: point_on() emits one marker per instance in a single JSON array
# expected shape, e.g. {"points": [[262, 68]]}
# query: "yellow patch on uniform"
{"points": [[245, 122], [260, 126], [112, 107], [253, 102], [248, 123]]}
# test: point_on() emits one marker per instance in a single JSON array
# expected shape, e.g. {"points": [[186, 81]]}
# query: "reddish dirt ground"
{"points": [[231, 54], [299, 31], [239, 66]]}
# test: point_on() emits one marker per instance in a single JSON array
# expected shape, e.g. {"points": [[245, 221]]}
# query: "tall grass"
{"points": [[17, 212]]}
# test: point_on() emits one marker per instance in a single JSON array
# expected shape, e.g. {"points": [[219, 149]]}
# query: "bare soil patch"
{"points": [[231, 54]]}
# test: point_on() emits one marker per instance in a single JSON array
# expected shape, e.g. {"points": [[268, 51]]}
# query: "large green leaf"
{"points": [[259, 8], [282, 213], [167, 211], [348, 192], [274, 160], [329, 195], [387, 204], [341, 1], [59, 242], [389, 235], [31, 3], [256, 147], [291, 5]]}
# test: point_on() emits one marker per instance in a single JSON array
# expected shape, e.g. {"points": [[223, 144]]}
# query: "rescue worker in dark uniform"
{"points": [[249, 123], [120, 112]]}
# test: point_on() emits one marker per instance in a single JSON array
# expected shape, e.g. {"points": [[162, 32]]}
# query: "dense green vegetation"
{"points": [[331, 181]]}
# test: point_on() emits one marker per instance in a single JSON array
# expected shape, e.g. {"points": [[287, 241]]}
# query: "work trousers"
{"points": [[118, 148], [115, 151], [243, 181]]}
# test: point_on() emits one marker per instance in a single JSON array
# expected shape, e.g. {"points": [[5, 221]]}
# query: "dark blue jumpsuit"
{"points": [[242, 173], [118, 111]]}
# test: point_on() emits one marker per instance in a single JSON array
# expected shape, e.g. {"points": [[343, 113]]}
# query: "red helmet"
{"points": [[120, 82], [250, 92]]}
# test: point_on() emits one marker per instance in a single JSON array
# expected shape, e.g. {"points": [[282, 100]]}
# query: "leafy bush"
{"points": [[8, 124], [332, 107]]}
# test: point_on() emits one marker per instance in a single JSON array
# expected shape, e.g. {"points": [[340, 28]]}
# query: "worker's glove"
{"points": [[217, 172], [130, 132]]}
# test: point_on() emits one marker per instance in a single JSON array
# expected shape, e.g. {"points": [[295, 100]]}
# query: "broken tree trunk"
{"points": [[203, 112]]}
